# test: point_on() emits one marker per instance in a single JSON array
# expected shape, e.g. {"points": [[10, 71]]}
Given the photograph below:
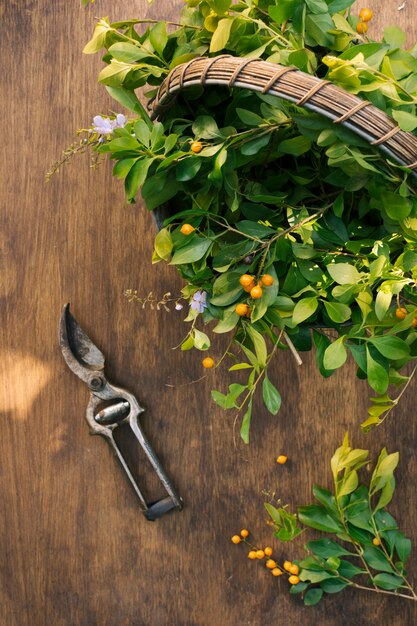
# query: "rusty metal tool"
{"points": [[111, 406]]}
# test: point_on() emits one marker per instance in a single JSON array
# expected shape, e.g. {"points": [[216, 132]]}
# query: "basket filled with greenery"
{"points": [[277, 151]]}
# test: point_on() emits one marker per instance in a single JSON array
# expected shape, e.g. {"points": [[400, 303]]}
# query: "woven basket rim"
{"points": [[291, 84]]}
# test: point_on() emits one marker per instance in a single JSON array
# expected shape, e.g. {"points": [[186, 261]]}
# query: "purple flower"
{"points": [[198, 302], [120, 121], [102, 125], [106, 126]]}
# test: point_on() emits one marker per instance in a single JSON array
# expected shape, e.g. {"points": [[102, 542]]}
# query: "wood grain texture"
{"points": [[74, 548]]}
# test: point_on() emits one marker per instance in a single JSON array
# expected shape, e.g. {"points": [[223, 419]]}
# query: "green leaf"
{"points": [[249, 117], [333, 585], [191, 252], [314, 575], [221, 34], [396, 207], [127, 52], [240, 366], [344, 273], [376, 559], [335, 355], [304, 309], [244, 429], [284, 10], [295, 146], [129, 100], [337, 311], [388, 581], [163, 244], [271, 396], [205, 127], [123, 167], [256, 145], [377, 375], [382, 303], [313, 596], [391, 347], [402, 546], [158, 37], [316, 517], [348, 570], [201, 341], [322, 343], [317, 6], [339, 5], [98, 40], [406, 121], [349, 484], [326, 548], [188, 168], [227, 324], [259, 345], [136, 177]]}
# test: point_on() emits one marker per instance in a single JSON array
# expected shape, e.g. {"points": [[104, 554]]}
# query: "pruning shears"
{"points": [[110, 407]]}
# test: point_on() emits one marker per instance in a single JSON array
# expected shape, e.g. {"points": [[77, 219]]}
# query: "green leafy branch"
{"points": [[368, 551]]}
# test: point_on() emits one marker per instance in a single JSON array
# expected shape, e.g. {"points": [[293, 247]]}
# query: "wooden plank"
{"points": [[74, 548]]}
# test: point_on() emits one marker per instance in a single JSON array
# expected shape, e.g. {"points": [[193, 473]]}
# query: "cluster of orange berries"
{"points": [[257, 553], [365, 15], [255, 290], [401, 313]]}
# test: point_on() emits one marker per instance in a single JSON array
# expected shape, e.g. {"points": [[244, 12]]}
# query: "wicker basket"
{"points": [[291, 84]]}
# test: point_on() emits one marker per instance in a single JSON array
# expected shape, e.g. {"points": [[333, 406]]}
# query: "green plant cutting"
{"points": [[290, 232], [365, 550]]}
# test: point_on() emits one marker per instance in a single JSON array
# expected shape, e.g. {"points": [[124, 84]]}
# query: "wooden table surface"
{"points": [[74, 548]]}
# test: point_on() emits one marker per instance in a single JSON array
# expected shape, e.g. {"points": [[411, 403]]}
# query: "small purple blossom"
{"points": [[178, 306], [198, 302], [120, 121], [102, 125], [106, 126]]}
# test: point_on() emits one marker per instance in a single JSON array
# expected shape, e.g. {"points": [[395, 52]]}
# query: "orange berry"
{"points": [[256, 292], [376, 541], [260, 554], [282, 459], [244, 533], [287, 565], [414, 322], [268, 551], [187, 229], [252, 555], [196, 147], [267, 280], [236, 539], [271, 564], [401, 313], [294, 580], [248, 288], [245, 280], [277, 572], [294, 569], [361, 28], [208, 363], [365, 15], [241, 309], [249, 312]]}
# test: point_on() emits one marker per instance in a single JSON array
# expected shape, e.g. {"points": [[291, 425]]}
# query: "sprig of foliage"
{"points": [[336, 229], [367, 551]]}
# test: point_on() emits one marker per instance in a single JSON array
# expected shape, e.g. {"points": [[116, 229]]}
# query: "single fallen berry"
{"points": [[268, 551], [187, 229], [252, 555], [208, 362], [244, 533], [401, 313], [271, 564], [245, 280], [293, 580], [361, 28], [196, 147], [365, 15], [241, 309], [267, 280], [287, 565], [256, 292], [260, 554], [236, 539], [277, 572], [294, 569], [282, 459]]}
